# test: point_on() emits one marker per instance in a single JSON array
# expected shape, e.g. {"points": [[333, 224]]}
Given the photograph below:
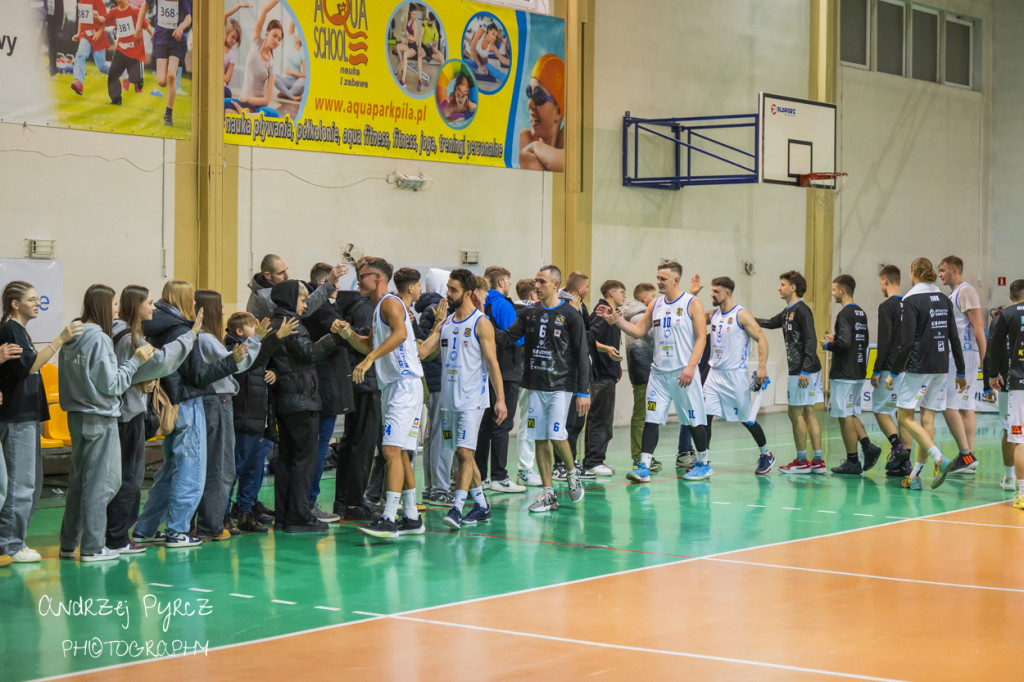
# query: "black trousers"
{"points": [[54, 22], [123, 510], [574, 424], [599, 422], [118, 64], [296, 463], [492, 442], [360, 441]]}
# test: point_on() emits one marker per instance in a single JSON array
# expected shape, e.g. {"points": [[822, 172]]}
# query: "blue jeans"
{"points": [[251, 450], [20, 442], [178, 485], [324, 443], [98, 56]]}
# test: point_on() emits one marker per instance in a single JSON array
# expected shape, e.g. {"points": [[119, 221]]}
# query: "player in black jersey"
{"points": [[927, 335], [883, 400], [1004, 366], [849, 348], [557, 370], [797, 322]]}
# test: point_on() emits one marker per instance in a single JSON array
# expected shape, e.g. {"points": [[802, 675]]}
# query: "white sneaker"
{"points": [[506, 486], [26, 556], [105, 554], [1008, 483], [529, 477], [602, 470]]}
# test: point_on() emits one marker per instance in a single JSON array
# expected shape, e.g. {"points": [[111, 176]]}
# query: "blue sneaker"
{"points": [[453, 519], [941, 469], [478, 515], [699, 472], [641, 474], [764, 464], [912, 483]]}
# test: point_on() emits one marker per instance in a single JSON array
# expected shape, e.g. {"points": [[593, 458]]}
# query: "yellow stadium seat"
{"points": [[49, 374], [57, 426], [46, 443]]}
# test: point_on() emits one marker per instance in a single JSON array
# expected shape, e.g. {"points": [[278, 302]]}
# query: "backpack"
{"points": [[161, 414]]}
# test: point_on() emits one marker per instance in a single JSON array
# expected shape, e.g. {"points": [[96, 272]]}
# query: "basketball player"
{"points": [[804, 389], [1004, 368], [883, 400], [680, 330]]}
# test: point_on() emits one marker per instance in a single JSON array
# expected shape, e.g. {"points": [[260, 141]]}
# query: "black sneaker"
{"points": [[871, 455], [314, 526], [902, 469], [558, 472], [262, 513], [229, 525], [963, 464], [655, 465], [235, 512], [584, 474], [383, 527], [407, 526], [358, 513], [168, 119], [897, 456], [848, 467]]}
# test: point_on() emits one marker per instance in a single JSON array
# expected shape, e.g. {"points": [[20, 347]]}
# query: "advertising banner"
{"points": [[118, 66], [47, 276], [444, 80]]}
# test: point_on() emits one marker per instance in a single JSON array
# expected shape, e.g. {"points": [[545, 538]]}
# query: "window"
{"points": [[958, 52], [890, 30], [925, 45], [853, 26]]}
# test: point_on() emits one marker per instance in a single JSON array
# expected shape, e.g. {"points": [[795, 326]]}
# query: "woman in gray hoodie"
{"points": [[91, 383], [136, 307]]}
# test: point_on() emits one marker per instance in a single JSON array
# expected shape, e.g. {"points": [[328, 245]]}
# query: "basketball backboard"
{"points": [[797, 137]]}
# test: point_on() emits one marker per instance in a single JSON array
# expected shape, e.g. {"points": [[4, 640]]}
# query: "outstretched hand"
{"points": [[695, 286], [288, 327]]}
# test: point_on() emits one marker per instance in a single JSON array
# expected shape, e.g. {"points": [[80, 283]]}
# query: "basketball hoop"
{"points": [[833, 181]]}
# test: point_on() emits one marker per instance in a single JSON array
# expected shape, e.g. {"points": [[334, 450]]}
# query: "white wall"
{"points": [[1007, 200], [695, 58]]}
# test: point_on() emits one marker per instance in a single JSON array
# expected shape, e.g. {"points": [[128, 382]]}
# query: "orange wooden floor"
{"points": [[926, 599]]}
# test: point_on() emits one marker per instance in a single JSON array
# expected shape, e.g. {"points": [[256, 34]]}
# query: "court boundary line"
{"points": [[972, 523], [626, 647], [527, 590]]}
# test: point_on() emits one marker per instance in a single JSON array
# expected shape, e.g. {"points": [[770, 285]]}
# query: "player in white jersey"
{"points": [[960, 406], [466, 343], [727, 391], [392, 351], [680, 330]]}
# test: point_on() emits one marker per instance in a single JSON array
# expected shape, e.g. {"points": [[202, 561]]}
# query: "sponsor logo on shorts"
{"points": [[530, 423], [651, 406], [1016, 430], [447, 434]]}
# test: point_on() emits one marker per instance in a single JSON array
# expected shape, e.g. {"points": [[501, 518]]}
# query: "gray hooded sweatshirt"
{"points": [[639, 352], [211, 350], [91, 381], [164, 361]]}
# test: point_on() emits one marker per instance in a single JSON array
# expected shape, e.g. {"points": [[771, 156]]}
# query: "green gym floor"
{"points": [[260, 586]]}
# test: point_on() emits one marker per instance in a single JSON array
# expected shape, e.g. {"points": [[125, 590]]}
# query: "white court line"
{"points": [[792, 508], [856, 514], [825, 511], [866, 575], [519, 592], [756, 505], [623, 647], [327, 608], [160, 585], [715, 502], [198, 589], [282, 601], [970, 523], [242, 596]]}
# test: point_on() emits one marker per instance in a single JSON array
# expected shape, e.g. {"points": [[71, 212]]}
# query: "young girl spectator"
{"points": [[23, 408], [91, 383], [136, 306], [178, 485]]}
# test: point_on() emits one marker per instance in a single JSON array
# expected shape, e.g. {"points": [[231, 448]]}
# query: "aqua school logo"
{"points": [[344, 44]]}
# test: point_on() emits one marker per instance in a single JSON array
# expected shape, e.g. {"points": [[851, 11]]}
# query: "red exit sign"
{"points": [[1001, 281]]}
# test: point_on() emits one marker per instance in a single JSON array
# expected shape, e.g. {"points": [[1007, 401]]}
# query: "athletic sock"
{"points": [[764, 449], [964, 453], [645, 459], [935, 453], [894, 441], [1011, 471], [865, 442], [702, 457], [801, 455], [852, 457], [918, 467], [817, 455], [549, 491], [168, 111], [391, 505], [460, 499], [409, 502], [478, 497]]}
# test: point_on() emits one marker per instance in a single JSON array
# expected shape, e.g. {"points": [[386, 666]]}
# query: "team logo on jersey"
{"points": [[651, 406], [1015, 430], [453, 356], [791, 315], [560, 319], [530, 423], [729, 321], [447, 434], [467, 331], [544, 318], [558, 332], [679, 311]]}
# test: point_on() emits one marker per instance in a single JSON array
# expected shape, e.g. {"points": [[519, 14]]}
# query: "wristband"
{"points": [[806, 374], [962, 376], [894, 376], [987, 391], [875, 374], [582, 395]]}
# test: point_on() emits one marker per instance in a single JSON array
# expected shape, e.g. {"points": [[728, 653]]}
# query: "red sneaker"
{"points": [[124, 84], [796, 467], [77, 87], [818, 467]]}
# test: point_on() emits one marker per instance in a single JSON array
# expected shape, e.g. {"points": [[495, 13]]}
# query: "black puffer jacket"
{"points": [[193, 377], [297, 386], [426, 306], [253, 410], [358, 311], [334, 371]]}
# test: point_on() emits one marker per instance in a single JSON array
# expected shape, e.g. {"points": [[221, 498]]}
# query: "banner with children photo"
{"points": [[118, 66], [443, 80]]}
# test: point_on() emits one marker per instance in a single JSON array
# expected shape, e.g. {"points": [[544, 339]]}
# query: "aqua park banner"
{"points": [[95, 65], [444, 80]]}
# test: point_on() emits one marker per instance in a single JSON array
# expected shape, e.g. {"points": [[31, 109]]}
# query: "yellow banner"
{"points": [[448, 80]]}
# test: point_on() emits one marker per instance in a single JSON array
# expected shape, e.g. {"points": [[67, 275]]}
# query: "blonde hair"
{"points": [[181, 295], [922, 270]]}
